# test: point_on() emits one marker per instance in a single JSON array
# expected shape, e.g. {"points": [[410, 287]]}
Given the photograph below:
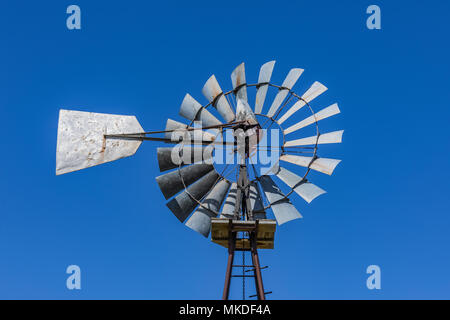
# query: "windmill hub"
{"points": [[247, 136]]}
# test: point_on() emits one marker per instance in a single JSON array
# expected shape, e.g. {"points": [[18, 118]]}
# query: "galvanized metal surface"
{"points": [[323, 165], [214, 94], [239, 83], [183, 155], [265, 73], [192, 110], [303, 188], [287, 85], [81, 141], [330, 137], [313, 92], [171, 183], [244, 112], [323, 114], [256, 201], [184, 203], [178, 129], [230, 203], [282, 208], [200, 220]]}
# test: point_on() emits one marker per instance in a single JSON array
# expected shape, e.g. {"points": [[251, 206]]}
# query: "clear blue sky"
{"points": [[387, 202]]}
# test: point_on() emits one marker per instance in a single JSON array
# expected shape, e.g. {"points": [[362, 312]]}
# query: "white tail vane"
{"points": [[316, 89], [214, 94], [82, 143], [331, 137], [323, 114], [323, 165], [265, 73], [238, 81], [287, 85]]}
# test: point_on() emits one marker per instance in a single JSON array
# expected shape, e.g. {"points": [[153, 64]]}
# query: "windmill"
{"points": [[228, 199]]}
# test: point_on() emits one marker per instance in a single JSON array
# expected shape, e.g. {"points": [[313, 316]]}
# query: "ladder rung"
{"points": [[242, 276], [255, 269], [255, 295], [243, 266]]}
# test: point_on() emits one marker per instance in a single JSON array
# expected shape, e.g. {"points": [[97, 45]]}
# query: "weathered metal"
{"points": [[181, 155], [256, 202], [302, 187], [323, 165], [173, 182], [200, 220], [323, 114], [192, 110], [81, 141], [239, 83], [230, 202], [175, 129], [244, 112], [214, 94], [282, 207], [330, 137], [313, 92], [265, 73], [287, 85], [184, 203]]}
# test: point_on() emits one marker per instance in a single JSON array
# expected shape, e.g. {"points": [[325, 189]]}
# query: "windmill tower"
{"points": [[228, 199]]}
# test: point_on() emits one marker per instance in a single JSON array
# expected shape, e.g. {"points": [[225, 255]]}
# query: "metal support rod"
{"points": [[255, 259], [231, 247]]}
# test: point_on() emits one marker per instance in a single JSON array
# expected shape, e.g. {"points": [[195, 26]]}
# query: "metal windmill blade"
{"points": [[179, 156], [282, 207], [193, 111], [299, 185], [214, 94], [230, 203], [263, 84], [200, 220], [330, 137], [323, 165], [316, 89], [176, 128], [173, 182], [184, 203], [287, 85], [256, 202], [239, 83], [323, 114]]}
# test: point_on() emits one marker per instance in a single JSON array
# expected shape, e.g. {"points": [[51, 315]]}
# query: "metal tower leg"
{"points": [[231, 250], [258, 278]]}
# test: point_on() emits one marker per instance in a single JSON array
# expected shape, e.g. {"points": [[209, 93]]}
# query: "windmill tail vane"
{"points": [[223, 199]]}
